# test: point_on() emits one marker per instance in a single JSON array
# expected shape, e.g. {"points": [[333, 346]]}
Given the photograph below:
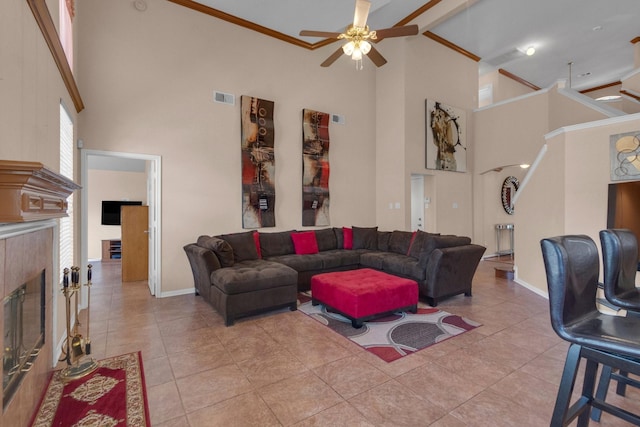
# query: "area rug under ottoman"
{"points": [[113, 395], [394, 336]]}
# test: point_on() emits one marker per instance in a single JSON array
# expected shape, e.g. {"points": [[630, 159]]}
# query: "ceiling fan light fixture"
{"points": [[349, 48], [530, 51], [356, 55], [365, 47]]}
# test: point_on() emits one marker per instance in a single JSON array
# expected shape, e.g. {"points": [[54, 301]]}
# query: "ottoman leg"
{"points": [[314, 302], [356, 323], [414, 309]]}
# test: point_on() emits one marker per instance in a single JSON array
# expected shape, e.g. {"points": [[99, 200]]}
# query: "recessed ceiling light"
{"points": [[597, 28], [530, 50], [609, 98], [588, 73]]}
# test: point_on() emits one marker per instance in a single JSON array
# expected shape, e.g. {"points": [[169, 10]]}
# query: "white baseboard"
{"points": [[177, 293]]}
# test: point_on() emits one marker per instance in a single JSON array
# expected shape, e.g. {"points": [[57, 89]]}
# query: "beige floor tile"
{"points": [[493, 410], [234, 412], [299, 397], [212, 386], [164, 403], [158, 371], [199, 359], [351, 376], [271, 367], [341, 415], [440, 386], [392, 404]]}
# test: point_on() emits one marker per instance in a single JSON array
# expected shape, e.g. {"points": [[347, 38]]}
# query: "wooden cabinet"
{"points": [[111, 250]]}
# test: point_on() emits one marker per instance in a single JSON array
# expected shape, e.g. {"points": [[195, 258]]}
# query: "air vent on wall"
{"points": [[224, 98], [337, 119]]}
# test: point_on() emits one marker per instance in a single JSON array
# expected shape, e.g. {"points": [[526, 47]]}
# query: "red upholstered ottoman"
{"points": [[364, 294]]}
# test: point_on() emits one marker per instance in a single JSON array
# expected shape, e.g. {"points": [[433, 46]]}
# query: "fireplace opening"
{"points": [[24, 323]]}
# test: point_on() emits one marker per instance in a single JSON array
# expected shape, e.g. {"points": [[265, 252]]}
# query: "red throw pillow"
{"points": [[347, 234], [256, 238], [305, 242], [413, 237]]}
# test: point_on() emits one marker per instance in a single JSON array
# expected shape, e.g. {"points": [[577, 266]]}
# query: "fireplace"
{"points": [[24, 320], [32, 197]]}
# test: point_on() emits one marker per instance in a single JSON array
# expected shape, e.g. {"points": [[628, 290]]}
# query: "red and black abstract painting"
{"points": [[315, 168], [258, 163]]}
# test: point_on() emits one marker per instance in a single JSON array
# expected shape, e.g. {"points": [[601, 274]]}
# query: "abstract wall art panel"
{"points": [[625, 156], [258, 163], [446, 145], [315, 168]]}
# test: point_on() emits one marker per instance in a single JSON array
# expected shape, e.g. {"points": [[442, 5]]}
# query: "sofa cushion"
{"points": [[383, 240], [373, 259], [339, 258], [339, 237], [347, 236], [399, 241], [300, 262], [253, 275], [326, 239], [221, 248], [274, 244], [256, 240], [244, 247], [365, 238], [420, 243], [446, 241], [403, 265], [305, 242]]}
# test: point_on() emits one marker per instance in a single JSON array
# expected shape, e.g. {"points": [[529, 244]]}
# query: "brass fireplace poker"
{"points": [[75, 348]]}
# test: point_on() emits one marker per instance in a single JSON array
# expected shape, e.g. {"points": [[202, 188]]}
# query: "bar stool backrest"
{"points": [[572, 267]]}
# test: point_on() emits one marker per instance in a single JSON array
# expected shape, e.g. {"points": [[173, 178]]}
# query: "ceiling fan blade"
{"points": [[376, 58], [334, 56], [407, 30], [326, 34], [362, 12]]}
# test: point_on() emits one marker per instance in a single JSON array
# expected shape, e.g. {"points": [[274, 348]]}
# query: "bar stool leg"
{"points": [[601, 392], [566, 386]]}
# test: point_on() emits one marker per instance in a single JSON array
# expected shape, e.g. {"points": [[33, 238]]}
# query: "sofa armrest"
{"points": [[449, 271], [203, 262]]}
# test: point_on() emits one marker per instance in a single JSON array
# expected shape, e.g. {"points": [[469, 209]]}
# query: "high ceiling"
{"points": [[593, 35]]}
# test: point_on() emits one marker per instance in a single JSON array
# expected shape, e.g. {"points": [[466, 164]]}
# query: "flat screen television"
{"points": [[111, 210]]}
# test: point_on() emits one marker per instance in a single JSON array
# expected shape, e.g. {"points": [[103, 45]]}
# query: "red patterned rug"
{"points": [[113, 395], [395, 336]]}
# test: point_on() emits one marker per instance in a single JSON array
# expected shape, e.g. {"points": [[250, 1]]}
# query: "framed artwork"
{"points": [[446, 145], [258, 163], [315, 168], [625, 156]]}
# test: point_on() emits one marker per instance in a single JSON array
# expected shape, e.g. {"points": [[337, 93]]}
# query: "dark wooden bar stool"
{"points": [[572, 270]]}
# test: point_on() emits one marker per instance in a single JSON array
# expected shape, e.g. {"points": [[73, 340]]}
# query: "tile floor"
{"points": [[286, 369]]}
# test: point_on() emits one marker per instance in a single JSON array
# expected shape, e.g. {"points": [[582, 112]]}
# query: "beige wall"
{"points": [[157, 74], [32, 90], [503, 87], [109, 185], [568, 192]]}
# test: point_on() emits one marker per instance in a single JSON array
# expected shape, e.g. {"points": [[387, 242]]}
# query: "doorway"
{"points": [[422, 203], [153, 191]]}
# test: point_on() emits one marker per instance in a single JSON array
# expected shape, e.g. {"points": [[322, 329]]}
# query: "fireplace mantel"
{"points": [[30, 192]]}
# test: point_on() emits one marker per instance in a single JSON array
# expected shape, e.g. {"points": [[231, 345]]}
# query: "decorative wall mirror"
{"points": [[509, 188]]}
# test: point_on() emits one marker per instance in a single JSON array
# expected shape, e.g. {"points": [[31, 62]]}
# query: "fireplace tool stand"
{"points": [[76, 349]]}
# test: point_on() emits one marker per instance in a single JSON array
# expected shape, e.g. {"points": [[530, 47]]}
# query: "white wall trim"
{"points": [[532, 288], [593, 124], [179, 292], [516, 99], [590, 102]]}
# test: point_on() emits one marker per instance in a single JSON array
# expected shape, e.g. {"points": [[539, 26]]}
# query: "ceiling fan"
{"points": [[359, 37]]}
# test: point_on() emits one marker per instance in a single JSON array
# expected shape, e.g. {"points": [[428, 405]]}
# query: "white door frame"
{"points": [[155, 236]]}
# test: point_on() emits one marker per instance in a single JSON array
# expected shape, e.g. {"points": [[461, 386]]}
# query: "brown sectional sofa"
{"points": [[241, 274]]}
